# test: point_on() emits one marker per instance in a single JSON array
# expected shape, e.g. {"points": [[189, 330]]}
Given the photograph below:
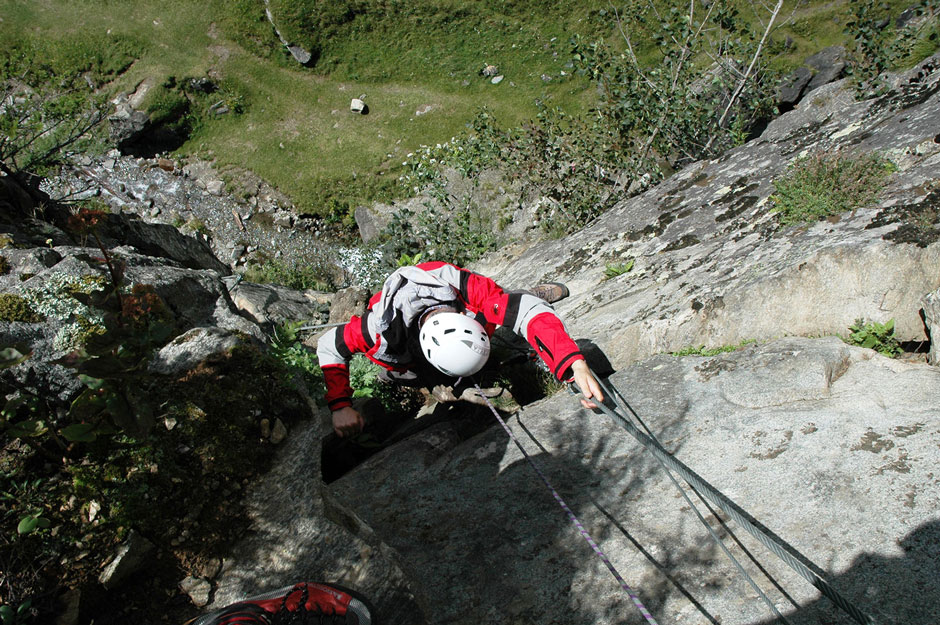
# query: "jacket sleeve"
{"points": [[334, 351], [527, 315]]}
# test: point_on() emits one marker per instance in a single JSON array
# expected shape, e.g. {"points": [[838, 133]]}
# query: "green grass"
{"points": [[296, 130]]}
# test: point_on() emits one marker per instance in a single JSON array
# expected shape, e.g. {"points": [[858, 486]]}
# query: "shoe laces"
{"points": [[303, 616]]}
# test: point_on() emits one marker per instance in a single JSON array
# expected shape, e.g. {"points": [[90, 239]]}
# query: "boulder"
{"points": [[271, 305], [932, 320], [827, 65], [832, 447], [193, 348]]}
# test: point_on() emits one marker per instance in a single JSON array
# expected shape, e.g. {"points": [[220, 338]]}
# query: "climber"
{"points": [[305, 602], [431, 324]]}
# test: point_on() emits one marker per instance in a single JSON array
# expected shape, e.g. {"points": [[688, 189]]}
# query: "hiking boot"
{"points": [[300, 603], [551, 292]]}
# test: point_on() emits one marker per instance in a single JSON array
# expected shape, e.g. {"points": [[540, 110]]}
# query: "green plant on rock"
{"points": [[297, 362], [828, 184], [876, 336], [701, 350], [612, 270], [301, 275]]}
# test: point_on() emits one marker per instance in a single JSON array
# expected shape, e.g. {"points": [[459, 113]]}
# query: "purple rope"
{"points": [[561, 502]]}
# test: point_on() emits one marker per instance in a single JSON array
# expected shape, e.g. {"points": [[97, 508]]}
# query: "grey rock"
{"points": [[293, 538], [827, 65], [371, 222], [348, 302], [215, 187], [192, 348], [198, 590], [496, 79], [714, 266], [357, 106], [791, 88], [131, 557], [932, 319], [283, 219], [301, 55], [127, 126], [826, 444], [271, 305]]}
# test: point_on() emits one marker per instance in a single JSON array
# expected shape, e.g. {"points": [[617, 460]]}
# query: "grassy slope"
{"points": [[297, 131]]}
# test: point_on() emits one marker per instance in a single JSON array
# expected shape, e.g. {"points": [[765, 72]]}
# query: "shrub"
{"points": [[828, 184], [292, 274], [876, 336]]}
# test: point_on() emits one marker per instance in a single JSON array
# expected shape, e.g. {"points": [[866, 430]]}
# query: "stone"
{"points": [[496, 80], [791, 88], [69, 604], [278, 432], [130, 558], [357, 106], [830, 448], [198, 590], [827, 65], [215, 187], [932, 319], [489, 71], [192, 348]]}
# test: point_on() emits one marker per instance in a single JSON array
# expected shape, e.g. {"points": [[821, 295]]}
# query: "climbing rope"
{"points": [[577, 523], [785, 552]]}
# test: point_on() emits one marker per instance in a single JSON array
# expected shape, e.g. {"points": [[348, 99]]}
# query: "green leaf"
{"points": [[11, 356], [87, 405], [80, 433], [28, 429], [28, 524], [7, 614], [92, 383]]}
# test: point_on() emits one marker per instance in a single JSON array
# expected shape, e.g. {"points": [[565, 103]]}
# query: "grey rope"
{"points": [[708, 527], [577, 523], [622, 403], [775, 544]]}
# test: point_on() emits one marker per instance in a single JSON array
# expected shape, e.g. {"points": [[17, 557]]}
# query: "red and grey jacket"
{"points": [[383, 333]]}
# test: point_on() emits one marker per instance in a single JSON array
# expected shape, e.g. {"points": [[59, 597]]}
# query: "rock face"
{"points": [[294, 540], [714, 266], [831, 447]]}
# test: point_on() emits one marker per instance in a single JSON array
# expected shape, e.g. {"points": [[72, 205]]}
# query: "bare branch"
{"points": [[737, 92]]}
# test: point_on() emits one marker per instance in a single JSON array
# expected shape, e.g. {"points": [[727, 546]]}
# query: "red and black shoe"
{"points": [[300, 603]]}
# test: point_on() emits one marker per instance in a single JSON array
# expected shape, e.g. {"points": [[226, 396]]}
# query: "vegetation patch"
{"points": [[876, 336], [828, 184], [701, 350]]}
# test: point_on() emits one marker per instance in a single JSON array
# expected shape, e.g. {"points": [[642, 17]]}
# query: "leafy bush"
{"points": [[828, 184], [876, 336], [879, 49], [298, 363]]}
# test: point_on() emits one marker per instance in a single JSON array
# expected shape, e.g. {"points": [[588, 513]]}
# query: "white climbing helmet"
{"points": [[454, 343]]}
